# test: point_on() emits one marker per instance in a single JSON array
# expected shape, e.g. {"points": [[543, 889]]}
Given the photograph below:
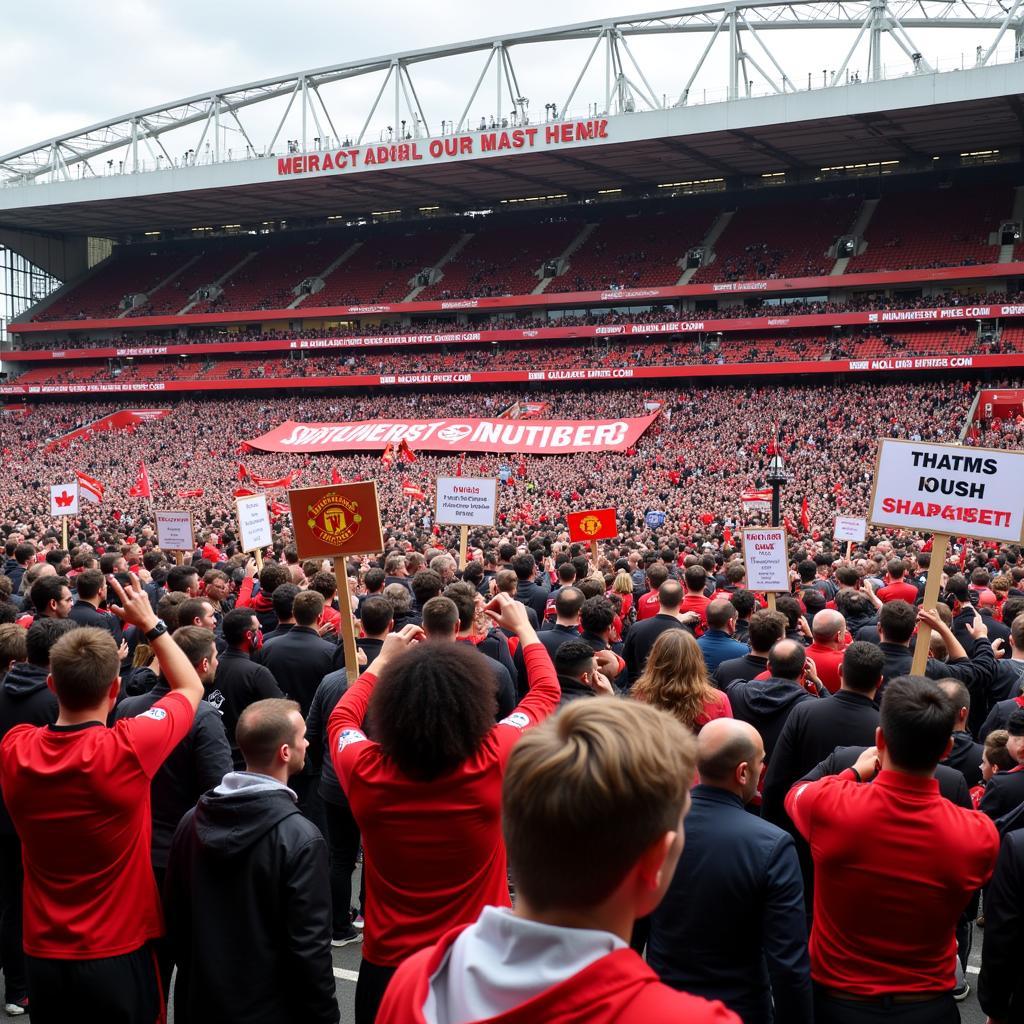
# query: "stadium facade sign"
{"points": [[445, 148], [724, 325], [535, 437]]}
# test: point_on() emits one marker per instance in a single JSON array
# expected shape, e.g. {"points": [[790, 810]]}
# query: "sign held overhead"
{"points": [[466, 501]]}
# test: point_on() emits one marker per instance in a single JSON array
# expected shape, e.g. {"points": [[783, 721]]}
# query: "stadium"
{"points": [[694, 267]]}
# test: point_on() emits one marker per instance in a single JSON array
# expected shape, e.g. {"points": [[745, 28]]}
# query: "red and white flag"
{"points": [[757, 499], [413, 491], [388, 455], [141, 488], [459, 464], [195, 493], [88, 488]]}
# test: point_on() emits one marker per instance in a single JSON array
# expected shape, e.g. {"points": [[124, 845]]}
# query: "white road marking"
{"points": [[971, 969], [340, 972]]}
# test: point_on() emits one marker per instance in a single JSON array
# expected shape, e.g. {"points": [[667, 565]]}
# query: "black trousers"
{"points": [[116, 989], [12, 880], [343, 847], [370, 988], [830, 1010]]}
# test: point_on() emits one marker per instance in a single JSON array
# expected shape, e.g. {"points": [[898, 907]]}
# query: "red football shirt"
{"points": [[435, 856], [898, 591], [894, 866], [79, 799], [648, 605]]}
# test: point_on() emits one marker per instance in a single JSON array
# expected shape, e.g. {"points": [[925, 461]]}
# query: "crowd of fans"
{"points": [[604, 785]]}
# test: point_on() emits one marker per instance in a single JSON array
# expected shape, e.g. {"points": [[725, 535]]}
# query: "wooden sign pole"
{"points": [[771, 600], [593, 553], [849, 549], [940, 544], [463, 546], [259, 560], [348, 635], [179, 557], [64, 532]]}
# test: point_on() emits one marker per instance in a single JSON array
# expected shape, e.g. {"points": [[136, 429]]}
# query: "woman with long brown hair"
{"points": [[675, 679]]}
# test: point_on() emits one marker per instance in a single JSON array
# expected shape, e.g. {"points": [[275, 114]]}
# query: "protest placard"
{"points": [[174, 530]]}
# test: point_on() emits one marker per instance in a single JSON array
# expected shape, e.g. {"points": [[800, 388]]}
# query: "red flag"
{"points": [[282, 481], [837, 489], [595, 524], [388, 455], [335, 475], [406, 452], [242, 472], [727, 536], [278, 508], [197, 493], [521, 468], [413, 491], [141, 488], [963, 553], [788, 525], [458, 467], [242, 492], [805, 517]]}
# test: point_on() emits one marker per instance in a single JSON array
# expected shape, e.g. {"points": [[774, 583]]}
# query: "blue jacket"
{"points": [[717, 646], [732, 925]]}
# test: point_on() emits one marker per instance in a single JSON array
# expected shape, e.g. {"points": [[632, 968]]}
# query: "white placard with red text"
{"points": [[174, 530], [64, 499], [766, 556], [944, 488], [851, 528]]}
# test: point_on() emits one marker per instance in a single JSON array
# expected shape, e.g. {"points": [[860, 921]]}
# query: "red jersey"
{"points": [[874, 846], [618, 988], [827, 662], [648, 605], [435, 856], [898, 591], [79, 798]]}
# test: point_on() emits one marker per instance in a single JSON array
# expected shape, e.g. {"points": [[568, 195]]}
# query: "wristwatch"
{"points": [[158, 630]]}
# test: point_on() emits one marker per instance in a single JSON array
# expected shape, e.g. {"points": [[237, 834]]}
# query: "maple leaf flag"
{"points": [[88, 488], [64, 499], [141, 488]]}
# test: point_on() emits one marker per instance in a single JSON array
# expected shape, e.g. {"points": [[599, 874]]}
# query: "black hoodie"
{"points": [[247, 908], [25, 699], [766, 704]]}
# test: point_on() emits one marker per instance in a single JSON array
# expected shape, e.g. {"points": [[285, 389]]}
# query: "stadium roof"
{"points": [[98, 180]]}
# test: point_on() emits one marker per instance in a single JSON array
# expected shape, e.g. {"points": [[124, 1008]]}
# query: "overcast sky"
{"points": [[65, 64]]}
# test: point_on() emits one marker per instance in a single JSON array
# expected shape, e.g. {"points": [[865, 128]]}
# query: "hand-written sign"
{"points": [[466, 501], [254, 527], [341, 519], [765, 555], [851, 528], [174, 530], [975, 492]]}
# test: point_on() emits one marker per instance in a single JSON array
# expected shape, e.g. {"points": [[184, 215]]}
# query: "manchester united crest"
{"points": [[334, 519], [590, 525]]}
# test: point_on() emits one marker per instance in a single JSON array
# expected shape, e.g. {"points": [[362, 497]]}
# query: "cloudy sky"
{"points": [[66, 64]]}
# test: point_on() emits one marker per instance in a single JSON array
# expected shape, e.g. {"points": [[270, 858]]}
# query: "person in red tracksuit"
{"points": [[593, 804], [427, 794], [894, 867]]}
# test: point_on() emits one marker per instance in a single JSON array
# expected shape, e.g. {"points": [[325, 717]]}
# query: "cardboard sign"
{"points": [[466, 501], [766, 556], [254, 522], [596, 524], [64, 499], [174, 530], [851, 528], [940, 488], [339, 519]]}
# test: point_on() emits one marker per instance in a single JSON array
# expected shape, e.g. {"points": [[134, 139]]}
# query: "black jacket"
{"points": [[553, 637], [298, 660], [1001, 982], [999, 716], [966, 757], [952, 784], [747, 667], [976, 672], [196, 764], [25, 699], [573, 689], [328, 693], [732, 924], [534, 595], [238, 683], [1004, 792], [766, 704], [640, 639], [84, 613], [813, 730], [248, 918]]}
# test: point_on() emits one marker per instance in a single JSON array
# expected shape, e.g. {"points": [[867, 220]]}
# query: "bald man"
{"points": [[828, 630], [732, 924]]}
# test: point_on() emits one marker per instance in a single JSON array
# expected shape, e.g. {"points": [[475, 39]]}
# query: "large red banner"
{"points": [[536, 437], [725, 325], [614, 297]]}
